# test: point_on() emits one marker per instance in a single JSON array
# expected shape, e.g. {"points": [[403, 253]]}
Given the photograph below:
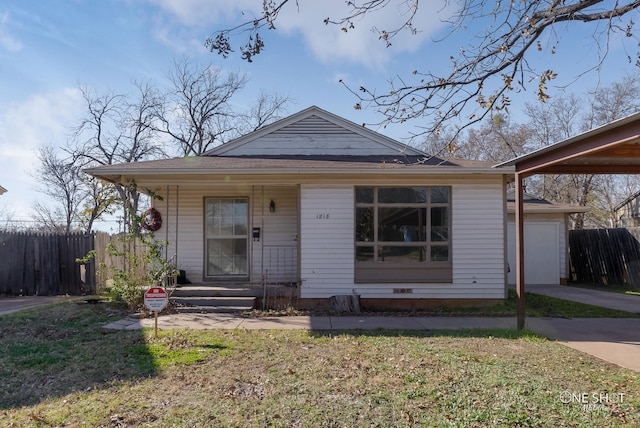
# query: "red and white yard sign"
{"points": [[155, 299]]}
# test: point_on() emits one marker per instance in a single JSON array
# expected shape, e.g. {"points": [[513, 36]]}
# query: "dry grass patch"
{"points": [[295, 378]]}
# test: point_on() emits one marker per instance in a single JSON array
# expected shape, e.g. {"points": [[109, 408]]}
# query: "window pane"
{"points": [[401, 254], [439, 253], [439, 224], [364, 254], [398, 195], [364, 225], [401, 224], [364, 195], [226, 257], [439, 195], [211, 228]]}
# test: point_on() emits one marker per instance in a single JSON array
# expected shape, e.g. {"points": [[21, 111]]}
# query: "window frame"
{"points": [[381, 271], [210, 236]]}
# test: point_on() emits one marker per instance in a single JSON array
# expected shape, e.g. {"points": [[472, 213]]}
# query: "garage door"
{"points": [[541, 253]]}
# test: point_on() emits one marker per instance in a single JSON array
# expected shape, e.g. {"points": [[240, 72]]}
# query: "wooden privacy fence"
{"points": [[105, 262], [605, 256], [37, 264]]}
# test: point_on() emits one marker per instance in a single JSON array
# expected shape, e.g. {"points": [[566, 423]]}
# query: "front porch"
{"points": [[234, 239], [221, 297]]}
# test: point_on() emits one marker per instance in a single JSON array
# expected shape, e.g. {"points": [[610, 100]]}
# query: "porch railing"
{"points": [[280, 264]]}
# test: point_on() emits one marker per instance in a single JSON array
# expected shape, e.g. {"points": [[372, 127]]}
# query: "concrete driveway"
{"points": [[605, 299], [616, 340], [14, 304]]}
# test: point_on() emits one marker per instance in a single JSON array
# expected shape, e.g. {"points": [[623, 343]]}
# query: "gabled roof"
{"points": [[315, 123], [310, 142], [2, 190], [626, 201], [531, 205]]}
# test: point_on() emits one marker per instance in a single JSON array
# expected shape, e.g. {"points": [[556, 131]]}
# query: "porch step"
{"points": [[213, 304], [200, 290]]}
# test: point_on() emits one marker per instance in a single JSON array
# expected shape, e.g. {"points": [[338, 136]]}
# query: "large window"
{"points": [[402, 234]]}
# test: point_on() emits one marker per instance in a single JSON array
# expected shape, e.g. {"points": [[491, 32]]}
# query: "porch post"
{"points": [[520, 250]]}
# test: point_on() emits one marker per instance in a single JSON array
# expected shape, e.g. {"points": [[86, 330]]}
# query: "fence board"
{"points": [[605, 256], [44, 264]]}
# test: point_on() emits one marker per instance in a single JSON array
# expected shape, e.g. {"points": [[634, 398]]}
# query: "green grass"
{"points": [[536, 306], [59, 367]]}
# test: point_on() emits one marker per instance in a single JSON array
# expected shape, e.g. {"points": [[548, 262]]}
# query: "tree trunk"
{"points": [[346, 303]]}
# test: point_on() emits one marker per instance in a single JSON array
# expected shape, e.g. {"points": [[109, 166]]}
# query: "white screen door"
{"points": [[226, 237]]}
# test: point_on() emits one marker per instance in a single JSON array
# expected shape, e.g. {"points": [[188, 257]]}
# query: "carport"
{"points": [[610, 149]]}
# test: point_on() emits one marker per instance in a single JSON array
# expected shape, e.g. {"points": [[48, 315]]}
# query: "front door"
{"points": [[226, 238]]}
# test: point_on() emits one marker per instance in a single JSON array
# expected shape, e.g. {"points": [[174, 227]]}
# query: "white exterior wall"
{"points": [[556, 244], [326, 240], [275, 255], [477, 244]]}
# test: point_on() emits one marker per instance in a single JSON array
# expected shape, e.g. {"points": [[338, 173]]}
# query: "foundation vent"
{"points": [[402, 290]]}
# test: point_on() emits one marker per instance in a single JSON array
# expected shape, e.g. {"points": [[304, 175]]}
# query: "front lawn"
{"points": [[59, 367]]}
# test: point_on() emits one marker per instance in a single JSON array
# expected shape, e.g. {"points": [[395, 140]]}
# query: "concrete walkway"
{"points": [[231, 321], [605, 299]]}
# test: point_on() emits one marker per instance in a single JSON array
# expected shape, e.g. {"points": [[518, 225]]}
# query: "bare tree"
{"points": [[268, 108], [199, 114], [118, 129], [565, 117], [497, 140], [100, 198], [614, 101], [484, 73], [8, 222], [59, 179]]}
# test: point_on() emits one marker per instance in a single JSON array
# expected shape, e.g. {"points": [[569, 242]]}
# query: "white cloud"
{"points": [[183, 25], [205, 12], [41, 119], [327, 43], [359, 45], [6, 39]]}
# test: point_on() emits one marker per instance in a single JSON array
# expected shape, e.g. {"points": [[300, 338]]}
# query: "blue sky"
{"points": [[49, 48]]}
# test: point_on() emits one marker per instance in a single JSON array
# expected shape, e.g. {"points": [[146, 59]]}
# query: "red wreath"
{"points": [[151, 220]]}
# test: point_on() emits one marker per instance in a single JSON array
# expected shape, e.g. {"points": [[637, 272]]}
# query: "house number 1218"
{"points": [[322, 216]]}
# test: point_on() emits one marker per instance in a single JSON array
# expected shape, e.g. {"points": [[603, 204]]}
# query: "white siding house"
{"points": [[331, 208]]}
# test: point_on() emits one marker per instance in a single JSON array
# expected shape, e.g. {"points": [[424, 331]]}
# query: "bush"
{"points": [[142, 267]]}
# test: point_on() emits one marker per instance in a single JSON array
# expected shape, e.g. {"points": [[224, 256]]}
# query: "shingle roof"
{"points": [[266, 164]]}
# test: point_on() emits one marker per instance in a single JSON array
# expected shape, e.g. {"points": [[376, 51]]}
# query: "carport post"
{"points": [[520, 249]]}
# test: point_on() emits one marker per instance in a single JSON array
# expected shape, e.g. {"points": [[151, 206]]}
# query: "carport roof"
{"points": [[613, 148]]}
